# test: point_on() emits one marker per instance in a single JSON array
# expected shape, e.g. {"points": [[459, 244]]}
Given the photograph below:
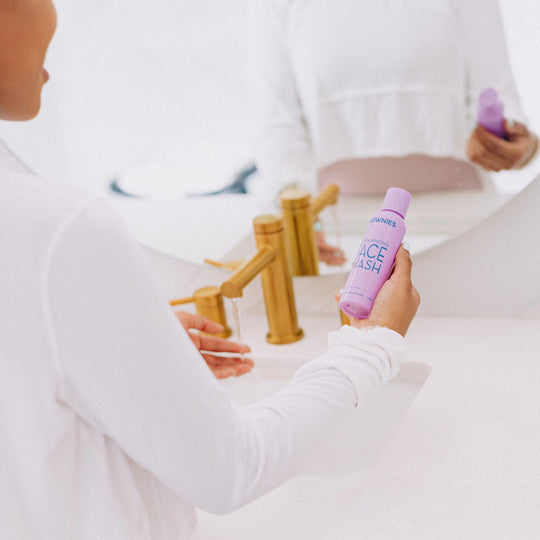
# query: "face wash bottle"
{"points": [[375, 258], [490, 112]]}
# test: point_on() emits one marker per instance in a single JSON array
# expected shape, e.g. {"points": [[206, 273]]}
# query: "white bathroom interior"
{"points": [[156, 97]]}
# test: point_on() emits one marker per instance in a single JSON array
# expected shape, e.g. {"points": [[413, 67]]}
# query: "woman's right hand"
{"points": [[397, 301], [221, 367]]}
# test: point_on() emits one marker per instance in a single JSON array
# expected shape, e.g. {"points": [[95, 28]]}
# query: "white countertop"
{"points": [[464, 464]]}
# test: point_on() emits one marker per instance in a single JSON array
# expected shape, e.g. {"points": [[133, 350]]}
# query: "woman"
{"points": [[379, 93], [111, 426]]}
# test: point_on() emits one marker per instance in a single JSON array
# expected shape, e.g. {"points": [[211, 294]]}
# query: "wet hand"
{"points": [[397, 301], [221, 367], [495, 154]]}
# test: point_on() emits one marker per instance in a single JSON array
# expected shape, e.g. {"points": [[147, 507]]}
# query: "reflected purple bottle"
{"points": [[490, 112], [376, 255]]}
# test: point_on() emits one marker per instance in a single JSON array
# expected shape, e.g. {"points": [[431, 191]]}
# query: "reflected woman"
{"points": [[380, 93]]}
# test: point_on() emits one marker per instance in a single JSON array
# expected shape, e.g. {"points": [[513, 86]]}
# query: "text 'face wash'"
{"points": [[375, 258]]}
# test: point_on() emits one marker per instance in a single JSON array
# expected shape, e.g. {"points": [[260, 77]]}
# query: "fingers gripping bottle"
{"points": [[490, 112], [376, 255]]}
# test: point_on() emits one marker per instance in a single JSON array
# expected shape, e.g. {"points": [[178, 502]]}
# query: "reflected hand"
{"points": [[331, 255], [221, 367], [495, 154], [397, 301]]}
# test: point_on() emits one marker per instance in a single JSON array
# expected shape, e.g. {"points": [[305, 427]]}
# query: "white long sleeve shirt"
{"points": [[340, 79], [112, 427]]}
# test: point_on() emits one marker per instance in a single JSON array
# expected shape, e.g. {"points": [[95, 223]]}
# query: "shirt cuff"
{"points": [[368, 357]]}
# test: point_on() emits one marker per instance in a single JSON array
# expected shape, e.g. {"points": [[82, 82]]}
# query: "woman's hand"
{"points": [[222, 367], [328, 254], [495, 154], [397, 301]]}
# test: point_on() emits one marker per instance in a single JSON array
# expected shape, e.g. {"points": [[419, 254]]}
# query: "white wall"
{"points": [[131, 77], [522, 25]]}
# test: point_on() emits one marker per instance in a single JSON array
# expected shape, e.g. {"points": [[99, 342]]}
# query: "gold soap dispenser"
{"points": [[208, 302]]}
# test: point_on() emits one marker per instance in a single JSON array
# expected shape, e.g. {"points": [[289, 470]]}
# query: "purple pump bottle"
{"points": [[375, 258], [490, 112]]}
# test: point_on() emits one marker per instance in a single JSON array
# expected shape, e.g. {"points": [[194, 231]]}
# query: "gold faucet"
{"points": [[271, 261], [299, 213], [208, 302], [344, 318]]}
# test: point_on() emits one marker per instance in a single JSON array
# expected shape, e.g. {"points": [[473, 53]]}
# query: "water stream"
{"points": [[237, 321]]}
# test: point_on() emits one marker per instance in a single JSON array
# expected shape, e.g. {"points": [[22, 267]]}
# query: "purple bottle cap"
{"points": [[491, 112], [488, 97], [489, 107], [397, 200]]}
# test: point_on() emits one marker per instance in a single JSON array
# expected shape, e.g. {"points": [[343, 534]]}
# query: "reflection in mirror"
{"points": [[380, 105], [168, 117]]}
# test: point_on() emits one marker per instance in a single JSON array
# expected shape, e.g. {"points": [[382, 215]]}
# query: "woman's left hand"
{"points": [[222, 367], [495, 154]]}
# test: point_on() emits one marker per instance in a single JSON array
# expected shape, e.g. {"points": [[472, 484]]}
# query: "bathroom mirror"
{"points": [[155, 96]]}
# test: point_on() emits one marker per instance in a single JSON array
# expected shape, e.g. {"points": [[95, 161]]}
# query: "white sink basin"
{"points": [[361, 438]]}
